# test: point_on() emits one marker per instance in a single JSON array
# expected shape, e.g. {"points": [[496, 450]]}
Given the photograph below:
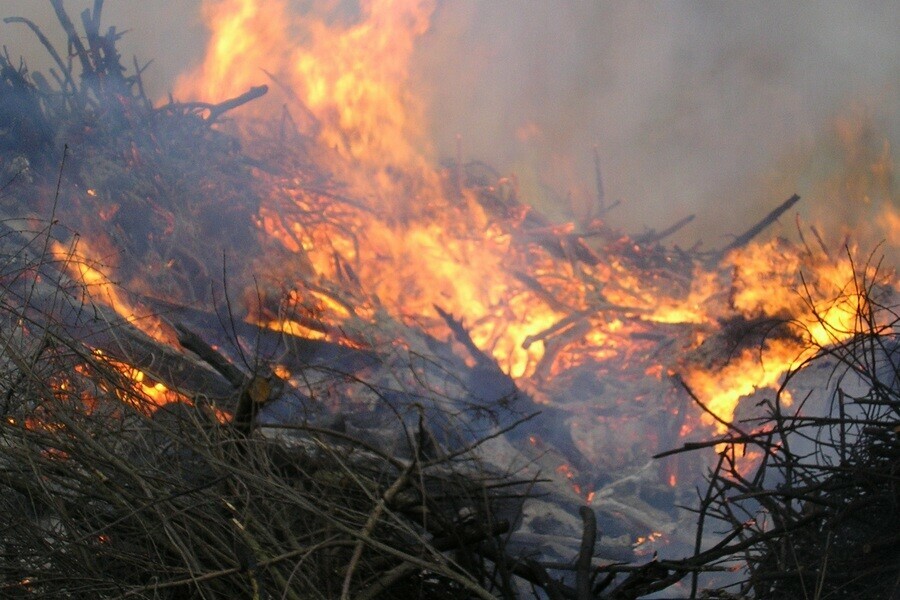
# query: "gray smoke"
{"points": [[168, 32], [717, 108]]}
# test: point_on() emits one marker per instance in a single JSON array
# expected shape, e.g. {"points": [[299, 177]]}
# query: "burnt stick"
{"points": [[74, 39], [463, 337], [253, 93], [583, 564], [653, 236], [747, 236]]}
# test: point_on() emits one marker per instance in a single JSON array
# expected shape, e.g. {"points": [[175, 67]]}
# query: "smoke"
{"points": [[168, 32], [719, 109]]}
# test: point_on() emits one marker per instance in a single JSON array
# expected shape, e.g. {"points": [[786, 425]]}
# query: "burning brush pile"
{"points": [[328, 369]]}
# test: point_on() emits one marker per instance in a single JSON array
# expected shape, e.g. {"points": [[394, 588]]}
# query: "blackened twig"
{"points": [[583, 565], [744, 238], [253, 93]]}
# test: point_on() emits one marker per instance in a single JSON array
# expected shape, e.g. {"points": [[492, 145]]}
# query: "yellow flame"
{"points": [[350, 75], [819, 302], [81, 262]]}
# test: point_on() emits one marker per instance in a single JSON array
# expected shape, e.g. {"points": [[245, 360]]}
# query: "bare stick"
{"points": [[459, 166], [653, 236], [371, 522], [583, 565], [98, 9], [598, 175], [67, 24], [744, 238], [46, 44], [818, 236], [252, 94]]}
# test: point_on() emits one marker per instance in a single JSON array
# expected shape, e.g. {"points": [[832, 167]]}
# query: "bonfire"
{"points": [[262, 347]]}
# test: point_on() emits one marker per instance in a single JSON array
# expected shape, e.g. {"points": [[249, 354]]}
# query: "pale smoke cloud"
{"points": [[168, 32], [717, 108]]}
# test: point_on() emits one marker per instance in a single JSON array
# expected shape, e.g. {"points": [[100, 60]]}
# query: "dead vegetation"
{"points": [[818, 516], [380, 488]]}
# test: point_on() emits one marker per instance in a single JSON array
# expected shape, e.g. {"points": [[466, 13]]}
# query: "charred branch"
{"points": [[535, 286], [462, 336], [74, 39], [598, 177], [198, 346], [585, 554], [253, 93], [214, 111], [745, 238], [652, 237], [69, 82]]}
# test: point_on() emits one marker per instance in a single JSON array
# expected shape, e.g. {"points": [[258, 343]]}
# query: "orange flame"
{"points": [[85, 267], [817, 299], [351, 78], [411, 247]]}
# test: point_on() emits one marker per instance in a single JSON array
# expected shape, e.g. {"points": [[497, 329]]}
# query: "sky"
{"points": [[719, 109]]}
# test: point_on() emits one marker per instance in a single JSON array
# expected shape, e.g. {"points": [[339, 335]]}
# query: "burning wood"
{"points": [[366, 401]]}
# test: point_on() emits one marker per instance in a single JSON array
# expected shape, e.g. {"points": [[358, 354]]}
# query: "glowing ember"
{"points": [[144, 393], [646, 544]]}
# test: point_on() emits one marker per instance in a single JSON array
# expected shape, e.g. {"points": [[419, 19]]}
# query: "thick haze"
{"points": [[717, 108]]}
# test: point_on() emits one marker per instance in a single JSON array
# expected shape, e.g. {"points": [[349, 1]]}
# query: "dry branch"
{"points": [[745, 238]]}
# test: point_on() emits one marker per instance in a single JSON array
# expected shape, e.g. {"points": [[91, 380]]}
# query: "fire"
{"points": [[84, 265], [238, 48], [818, 300], [362, 85], [350, 78], [647, 544], [385, 231], [141, 391], [890, 220], [353, 79], [80, 261], [721, 391]]}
